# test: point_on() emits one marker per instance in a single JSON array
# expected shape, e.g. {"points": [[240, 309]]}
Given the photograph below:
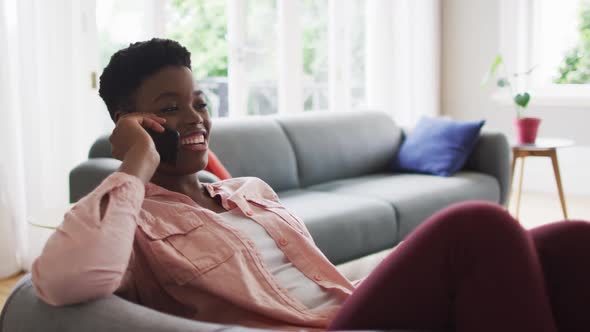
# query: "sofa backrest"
{"points": [[291, 151], [336, 145], [255, 146], [101, 148]]}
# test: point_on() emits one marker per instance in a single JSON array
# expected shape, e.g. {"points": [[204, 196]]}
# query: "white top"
{"points": [[288, 276]]}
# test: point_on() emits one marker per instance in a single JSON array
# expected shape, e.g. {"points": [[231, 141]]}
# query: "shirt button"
{"points": [[317, 277], [283, 242], [249, 213]]}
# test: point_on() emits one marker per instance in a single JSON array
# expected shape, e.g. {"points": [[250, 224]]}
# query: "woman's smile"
{"points": [[195, 141]]}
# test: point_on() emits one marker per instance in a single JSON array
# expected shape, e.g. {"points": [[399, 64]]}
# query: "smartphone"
{"points": [[166, 144]]}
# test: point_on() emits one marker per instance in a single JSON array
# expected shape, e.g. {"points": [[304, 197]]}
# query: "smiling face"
{"points": [[171, 93]]}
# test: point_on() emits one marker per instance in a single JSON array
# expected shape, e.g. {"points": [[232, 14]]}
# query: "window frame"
{"points": [[517, 22]]}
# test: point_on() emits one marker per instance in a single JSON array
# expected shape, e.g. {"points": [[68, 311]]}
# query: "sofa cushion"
{"points": [[338, 145], [215, 166], [255, 146], [344, 227], [415, 197]]}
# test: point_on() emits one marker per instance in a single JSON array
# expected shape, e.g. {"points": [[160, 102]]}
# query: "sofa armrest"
{"points": [[491, 155], [24, 311], [89, 174]]}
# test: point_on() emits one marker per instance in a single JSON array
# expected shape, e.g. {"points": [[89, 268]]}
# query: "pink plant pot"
{"points": [[526, 129]]}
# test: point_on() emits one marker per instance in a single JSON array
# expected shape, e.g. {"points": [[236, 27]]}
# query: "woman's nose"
{"points": [[194, 116]]}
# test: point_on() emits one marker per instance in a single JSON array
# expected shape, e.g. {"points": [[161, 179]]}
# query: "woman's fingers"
{"points": [[147, 120], [156, 118], [152, 123], [142, 115], [127, 134]]}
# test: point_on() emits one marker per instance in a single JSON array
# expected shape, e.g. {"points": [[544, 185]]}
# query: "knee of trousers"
{"points": [[569, 238], [480, 222]]}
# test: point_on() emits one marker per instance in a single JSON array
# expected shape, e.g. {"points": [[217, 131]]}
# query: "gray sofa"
{"points": [[330, 169]]}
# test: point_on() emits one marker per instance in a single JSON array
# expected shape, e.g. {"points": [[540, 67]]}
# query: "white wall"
{"points": [[470, 41]]}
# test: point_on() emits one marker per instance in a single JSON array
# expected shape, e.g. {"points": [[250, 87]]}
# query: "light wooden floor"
{"points": [[536, 209], [6, 286]]}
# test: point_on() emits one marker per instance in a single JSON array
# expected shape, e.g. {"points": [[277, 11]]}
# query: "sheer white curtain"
{"points": [[403, 58], [50, 111], [11, 166]]}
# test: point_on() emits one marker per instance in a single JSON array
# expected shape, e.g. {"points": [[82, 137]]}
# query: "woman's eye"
{"points": [[169, 109], [200, 106]]}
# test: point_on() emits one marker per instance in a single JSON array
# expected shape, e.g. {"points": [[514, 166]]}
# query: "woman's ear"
{"points": [[117, 115]]}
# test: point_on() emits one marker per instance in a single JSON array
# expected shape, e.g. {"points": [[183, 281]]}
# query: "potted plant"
{"points": [[526, 127]]}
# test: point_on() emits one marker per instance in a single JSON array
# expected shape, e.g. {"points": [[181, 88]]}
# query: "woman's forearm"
{"points": [[140, 162], [88, 254]]}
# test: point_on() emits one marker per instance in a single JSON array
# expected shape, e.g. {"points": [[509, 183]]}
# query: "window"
{"points": [[259, 55], [358, 58], [316, 16], [122, 22], [314, 25], [201, 26], [553, 37], [558, 40], [245, 56]]}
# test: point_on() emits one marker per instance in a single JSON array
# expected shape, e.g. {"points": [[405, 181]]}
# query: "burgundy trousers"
{"points": [[472, 267]]}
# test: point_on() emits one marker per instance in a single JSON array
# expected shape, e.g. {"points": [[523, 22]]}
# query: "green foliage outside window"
{"points": [[314, 36], [201, 26], [575, 68]]}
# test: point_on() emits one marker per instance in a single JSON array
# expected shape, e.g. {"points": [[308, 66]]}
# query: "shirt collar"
{"points": [[152, 189]]}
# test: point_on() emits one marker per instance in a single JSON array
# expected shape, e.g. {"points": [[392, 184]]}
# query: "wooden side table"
{"points": [[544, 147]]}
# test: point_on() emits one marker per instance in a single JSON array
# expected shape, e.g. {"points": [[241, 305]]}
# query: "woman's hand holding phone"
{"points": [[132, 144]]}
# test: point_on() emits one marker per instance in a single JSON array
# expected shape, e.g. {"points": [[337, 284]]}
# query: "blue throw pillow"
{"points": [[437, 146]]}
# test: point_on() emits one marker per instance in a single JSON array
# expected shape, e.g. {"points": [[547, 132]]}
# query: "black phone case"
{"points": [[166, 144]]}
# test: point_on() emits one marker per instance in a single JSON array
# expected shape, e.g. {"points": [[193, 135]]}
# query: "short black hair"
{"points": [[130, 66]]}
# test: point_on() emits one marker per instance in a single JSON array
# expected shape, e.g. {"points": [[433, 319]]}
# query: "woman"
{"points": [[230, 253]]}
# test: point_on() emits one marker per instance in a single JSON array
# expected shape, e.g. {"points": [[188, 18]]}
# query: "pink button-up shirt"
{"points": [[160, 249]]}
